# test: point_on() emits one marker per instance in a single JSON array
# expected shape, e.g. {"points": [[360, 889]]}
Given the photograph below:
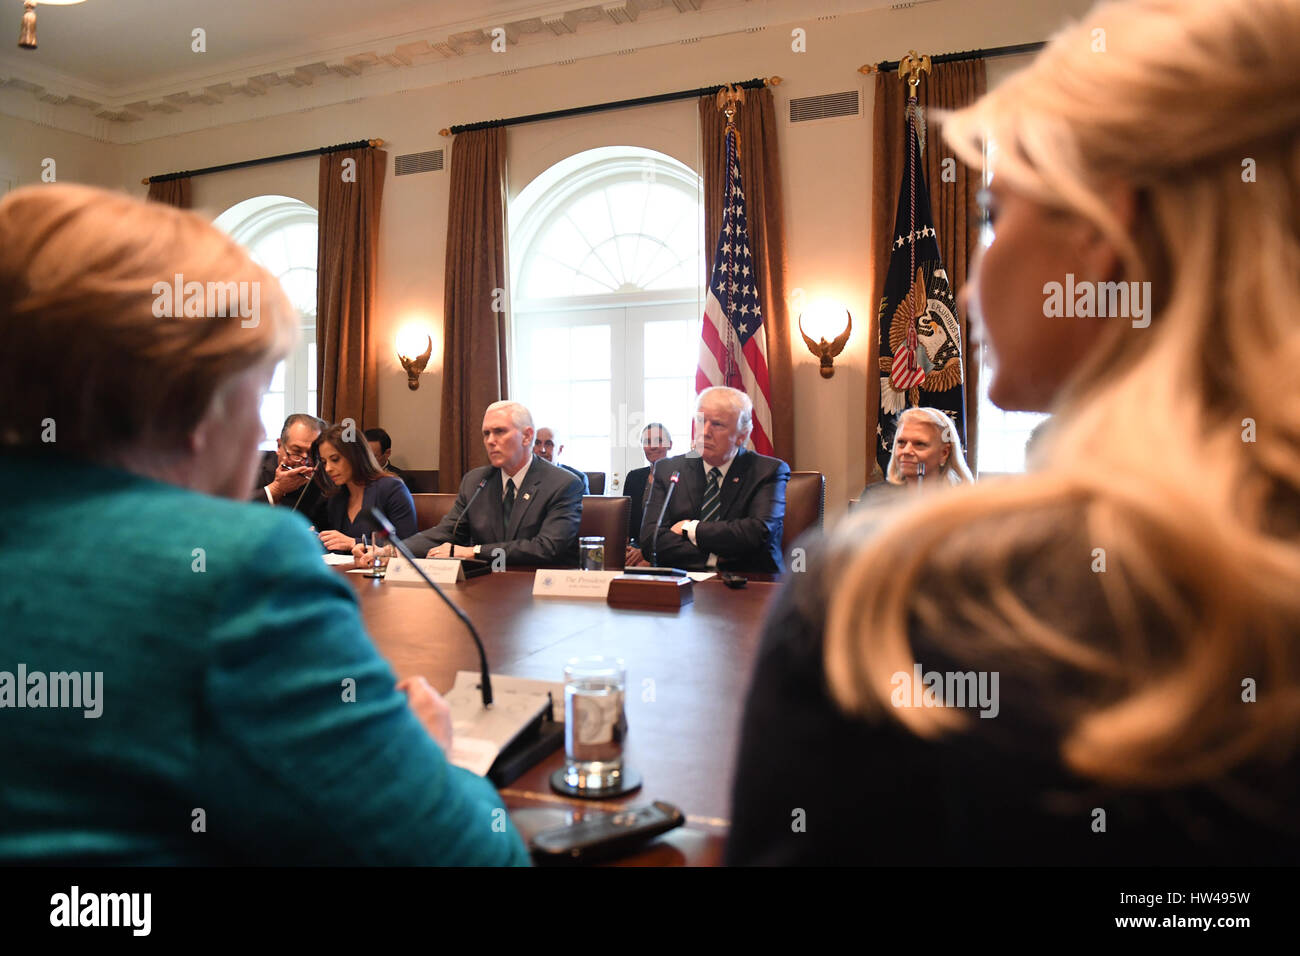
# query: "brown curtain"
{"points": [[956, 218], [173, 192], [474, 304], [760, 171], [346, 260]]}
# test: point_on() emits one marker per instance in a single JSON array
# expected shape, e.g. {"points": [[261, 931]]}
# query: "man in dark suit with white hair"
{"points": [[520, 503], [728, 511]]}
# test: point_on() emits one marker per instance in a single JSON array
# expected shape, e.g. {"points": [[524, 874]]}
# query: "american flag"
{"points": [[733, 346]]}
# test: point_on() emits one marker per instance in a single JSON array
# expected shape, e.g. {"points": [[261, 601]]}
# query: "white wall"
{"points": [[826, 172]]}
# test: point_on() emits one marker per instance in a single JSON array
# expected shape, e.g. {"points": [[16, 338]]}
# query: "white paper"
{"points": [[593, 584], [701, 575], [478, 735], [337, 558]]}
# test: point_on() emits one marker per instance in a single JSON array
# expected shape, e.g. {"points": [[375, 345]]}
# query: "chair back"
{"points": [[607, 517], [805, 505], [596, 480], [431, 508]]}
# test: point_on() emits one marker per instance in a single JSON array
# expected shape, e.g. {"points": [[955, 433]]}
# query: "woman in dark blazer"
{"points": [[353, 484]]}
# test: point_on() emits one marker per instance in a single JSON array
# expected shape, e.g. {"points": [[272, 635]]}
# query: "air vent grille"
{"points": [[427, 162], [827, 106]]}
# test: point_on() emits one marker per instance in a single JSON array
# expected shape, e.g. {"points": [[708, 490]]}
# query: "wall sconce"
{"points": [[408, 340], [27, 35], [825, 328]]}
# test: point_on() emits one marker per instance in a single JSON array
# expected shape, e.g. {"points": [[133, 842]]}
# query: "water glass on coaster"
{"points": [[591, 553], [377, 555], [595, 727]]}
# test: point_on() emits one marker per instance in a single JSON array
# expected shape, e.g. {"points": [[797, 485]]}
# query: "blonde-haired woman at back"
{"points": [[926, 454], [1122, 623]]}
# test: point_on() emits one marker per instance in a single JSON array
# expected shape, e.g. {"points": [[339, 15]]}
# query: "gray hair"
{"points": [[317, 425], [520, 416], [736, 400]]}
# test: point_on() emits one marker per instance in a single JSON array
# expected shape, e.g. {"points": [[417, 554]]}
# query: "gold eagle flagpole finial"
{"points": [[911, 67], [728, 98]]}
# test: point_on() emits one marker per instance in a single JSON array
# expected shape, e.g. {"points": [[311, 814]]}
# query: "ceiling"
{"points": [[115, 68]]}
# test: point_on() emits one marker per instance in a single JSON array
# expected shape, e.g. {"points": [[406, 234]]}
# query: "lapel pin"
{"points": [[526, 496]]}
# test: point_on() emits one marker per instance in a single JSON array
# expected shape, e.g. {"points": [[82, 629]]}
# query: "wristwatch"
{"points": [[478, 548]]}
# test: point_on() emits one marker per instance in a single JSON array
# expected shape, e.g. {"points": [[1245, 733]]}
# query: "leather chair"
{"points": [[432, 508], [805, 506], [596, 481], [607, 517]]}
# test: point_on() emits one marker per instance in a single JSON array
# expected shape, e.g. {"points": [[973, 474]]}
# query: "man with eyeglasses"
{"points": [[285, 476]]}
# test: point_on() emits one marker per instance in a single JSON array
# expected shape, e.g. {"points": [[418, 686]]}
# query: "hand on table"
{"points": [[428, 706], [337, 541], [448, 550], [634, 558]]}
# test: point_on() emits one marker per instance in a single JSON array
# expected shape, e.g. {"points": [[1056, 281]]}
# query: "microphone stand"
{"points": [[654, 543], [485, 679]]}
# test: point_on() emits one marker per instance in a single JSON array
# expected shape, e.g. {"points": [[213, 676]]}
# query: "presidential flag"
{"points": [[920, 337], [733, 346]]}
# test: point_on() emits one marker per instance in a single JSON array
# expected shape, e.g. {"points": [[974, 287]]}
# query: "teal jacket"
{"points": [[223, 733]]}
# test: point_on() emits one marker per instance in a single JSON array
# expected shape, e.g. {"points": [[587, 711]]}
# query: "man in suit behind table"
{"points": [[284, 476], [656, 444], [728, 511], [526, 506]]}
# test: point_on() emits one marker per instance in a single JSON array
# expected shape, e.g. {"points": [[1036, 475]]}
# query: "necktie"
{"points": [[712, 500], [508, 502]]}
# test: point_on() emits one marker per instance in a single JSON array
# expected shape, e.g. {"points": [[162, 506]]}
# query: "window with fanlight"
{"points": [[608, 283], [280, 235]]}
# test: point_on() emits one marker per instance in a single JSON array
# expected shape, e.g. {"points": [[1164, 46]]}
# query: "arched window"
{"points": [[280, 235], [608, 278]]}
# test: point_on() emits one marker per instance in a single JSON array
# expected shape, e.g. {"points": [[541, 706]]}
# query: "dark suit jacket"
{"points": [[747, 533], [543, 526], [635, 487], [582, 476], [391, 497], [309, 500]]}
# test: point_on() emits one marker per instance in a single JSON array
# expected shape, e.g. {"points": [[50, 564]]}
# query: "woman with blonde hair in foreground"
{"points": [[219, 664], [1097, 662]]}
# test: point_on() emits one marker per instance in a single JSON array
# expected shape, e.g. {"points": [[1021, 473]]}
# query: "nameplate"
{"points": [[442, 570], [586, 584]]}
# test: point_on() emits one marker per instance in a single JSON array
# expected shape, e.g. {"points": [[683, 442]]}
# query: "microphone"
{"points": [[303, 490], [485, 681], [654, 544], [456, 527]]}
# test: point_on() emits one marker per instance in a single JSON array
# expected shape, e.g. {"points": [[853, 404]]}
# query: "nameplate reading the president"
{"points": [[584, 584]]}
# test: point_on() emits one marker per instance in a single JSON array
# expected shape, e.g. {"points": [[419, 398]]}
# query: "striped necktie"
{"points": [[712, 500]]}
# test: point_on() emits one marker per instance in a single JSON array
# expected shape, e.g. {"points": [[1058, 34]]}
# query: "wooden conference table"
{"points": [[687, 675]]}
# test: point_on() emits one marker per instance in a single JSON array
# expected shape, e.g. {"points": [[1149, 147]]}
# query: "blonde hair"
{"points": [[81, 346], [954, 470], [1142, 576]]}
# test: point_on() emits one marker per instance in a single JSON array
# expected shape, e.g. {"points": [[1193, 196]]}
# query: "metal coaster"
{"points": [[628, 782]]}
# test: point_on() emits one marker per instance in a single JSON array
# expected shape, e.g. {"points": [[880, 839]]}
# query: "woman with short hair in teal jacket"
{"points": [[228, 704]]}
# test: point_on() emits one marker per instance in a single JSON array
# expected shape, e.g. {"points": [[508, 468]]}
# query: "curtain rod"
{"points": [[602, 107], [320, 151], [890, 66]]}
